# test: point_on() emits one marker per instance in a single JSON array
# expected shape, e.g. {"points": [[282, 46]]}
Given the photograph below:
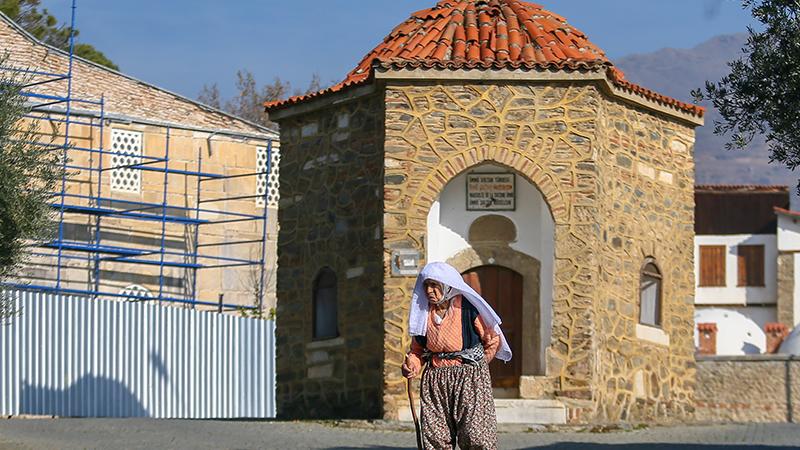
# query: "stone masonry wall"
{"points": [[645, 210], [546, 133], [748, 389], [123, 95], [227, 156], [786, 281], [330, 215]]}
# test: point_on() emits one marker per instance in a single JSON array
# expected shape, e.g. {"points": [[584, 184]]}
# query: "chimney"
{"points": [[708, 338], [776, 333]]}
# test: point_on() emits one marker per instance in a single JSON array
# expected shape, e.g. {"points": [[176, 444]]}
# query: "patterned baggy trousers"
{"points": [[458, 408]]}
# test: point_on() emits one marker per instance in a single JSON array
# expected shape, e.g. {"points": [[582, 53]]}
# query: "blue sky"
{"points": [[182, 44]]}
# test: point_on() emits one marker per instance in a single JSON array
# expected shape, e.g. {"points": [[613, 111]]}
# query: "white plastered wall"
{"points": [[761, 315], [449, 223], [788, 233]]}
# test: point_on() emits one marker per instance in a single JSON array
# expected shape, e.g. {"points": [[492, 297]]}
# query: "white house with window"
{"points": [[737, 258]]}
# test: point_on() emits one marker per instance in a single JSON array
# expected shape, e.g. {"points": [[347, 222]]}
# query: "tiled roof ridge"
{"points": [[399, 63], [488, 34], [742, 187]]}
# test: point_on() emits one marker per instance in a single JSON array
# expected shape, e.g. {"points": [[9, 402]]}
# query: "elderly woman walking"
{"points": [[455, 333]]}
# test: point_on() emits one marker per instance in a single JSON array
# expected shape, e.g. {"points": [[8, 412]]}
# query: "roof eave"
{"points": [[582, 72], [742, 189], [282, 110], [587, 71], [24, 33]]}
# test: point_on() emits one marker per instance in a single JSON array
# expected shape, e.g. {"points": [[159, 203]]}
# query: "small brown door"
{"points": [[502, 288]]}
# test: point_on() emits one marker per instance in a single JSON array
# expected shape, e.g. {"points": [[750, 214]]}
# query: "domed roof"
{"points": [[485, 31], [470, 34], [737, 334]]}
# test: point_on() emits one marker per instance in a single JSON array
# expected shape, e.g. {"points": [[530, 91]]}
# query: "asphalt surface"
{"points": [[178, 434]]}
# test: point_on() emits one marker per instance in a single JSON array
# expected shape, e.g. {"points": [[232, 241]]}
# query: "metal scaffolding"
{"points": [[96, 206]]}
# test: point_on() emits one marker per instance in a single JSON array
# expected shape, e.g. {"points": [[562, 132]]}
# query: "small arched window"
{"points": [[650, 295], [325, 305]]}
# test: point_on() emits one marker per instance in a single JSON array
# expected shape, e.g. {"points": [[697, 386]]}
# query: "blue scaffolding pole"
{"points": [[163, 221], [196, 234], [98, 219], [65, 152]]}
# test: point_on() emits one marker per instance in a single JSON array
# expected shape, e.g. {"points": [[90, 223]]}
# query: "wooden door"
{"points": [[502, 289]]}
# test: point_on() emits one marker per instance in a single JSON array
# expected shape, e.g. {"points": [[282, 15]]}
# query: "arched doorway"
{"points": [[502, 288], [522, 239]]}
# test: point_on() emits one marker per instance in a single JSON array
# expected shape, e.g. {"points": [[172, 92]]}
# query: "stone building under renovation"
{"points": [[492, 135], [164, 199]]}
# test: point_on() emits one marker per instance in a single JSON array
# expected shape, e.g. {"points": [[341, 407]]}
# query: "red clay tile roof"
{"points": [[484, 34], [618, 78], [741, 188]]}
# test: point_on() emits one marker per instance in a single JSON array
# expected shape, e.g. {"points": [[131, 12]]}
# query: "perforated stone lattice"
{"points": [[267, 183], [136, 292], [129, 145]]}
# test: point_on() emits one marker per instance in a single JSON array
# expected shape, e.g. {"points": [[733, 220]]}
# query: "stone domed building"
{"points": [[492, 135]]}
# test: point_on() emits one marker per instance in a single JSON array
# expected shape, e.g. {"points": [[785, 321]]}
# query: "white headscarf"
{"points": [[449, 276]]}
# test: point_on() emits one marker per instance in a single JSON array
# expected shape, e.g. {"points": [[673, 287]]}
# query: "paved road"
{"points": [[83, 433]]}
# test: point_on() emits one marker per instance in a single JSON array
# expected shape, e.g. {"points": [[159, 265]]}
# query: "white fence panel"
{"points": [[77, 357]]}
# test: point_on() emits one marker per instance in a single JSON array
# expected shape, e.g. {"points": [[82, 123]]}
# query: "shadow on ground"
{"points": [[656, 446], [644, 446], [373, 447]]}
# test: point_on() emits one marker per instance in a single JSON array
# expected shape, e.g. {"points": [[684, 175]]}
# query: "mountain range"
{"points": [[676, 72]]}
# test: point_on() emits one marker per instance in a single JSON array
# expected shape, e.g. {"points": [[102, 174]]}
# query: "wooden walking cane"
{"points": [[414, 413]]}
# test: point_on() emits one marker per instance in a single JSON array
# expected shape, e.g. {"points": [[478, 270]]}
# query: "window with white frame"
{"points": [[127, 148], [267, 184]]}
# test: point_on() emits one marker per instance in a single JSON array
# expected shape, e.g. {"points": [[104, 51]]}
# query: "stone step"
{"points": [[518, 411], [533, 412]]}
